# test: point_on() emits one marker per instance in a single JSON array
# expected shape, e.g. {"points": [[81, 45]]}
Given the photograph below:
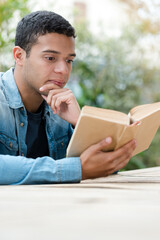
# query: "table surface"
{"points": [[121, 206]]}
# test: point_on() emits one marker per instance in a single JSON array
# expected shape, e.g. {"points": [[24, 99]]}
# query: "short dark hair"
{"points": [[40, 23]]}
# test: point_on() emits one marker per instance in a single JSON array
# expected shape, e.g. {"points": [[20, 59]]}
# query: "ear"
{"points": [[19, 55]]}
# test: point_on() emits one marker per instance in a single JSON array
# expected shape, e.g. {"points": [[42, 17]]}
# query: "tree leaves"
{"points": [[11, 12]]}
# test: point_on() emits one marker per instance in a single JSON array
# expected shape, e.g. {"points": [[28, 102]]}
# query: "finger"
{"points": [[136, 123], [63, 98], [53, 105], [56, 94], [130, 146], [51, 86], [121, 165], [121, 162], [100, 145], [116, 168], [125, 155], [58, 101], [45, 98], [52, 99], [45, 90]]}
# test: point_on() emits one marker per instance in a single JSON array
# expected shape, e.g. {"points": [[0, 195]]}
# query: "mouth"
{"points": [[51, 85], [59, 83]]}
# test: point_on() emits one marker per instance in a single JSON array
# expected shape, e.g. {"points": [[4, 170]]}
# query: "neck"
{"points": [[31, 103], [30, 98]]}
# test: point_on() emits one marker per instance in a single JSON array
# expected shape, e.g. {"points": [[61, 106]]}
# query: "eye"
{"points": [[50, 58], [69, 61]]}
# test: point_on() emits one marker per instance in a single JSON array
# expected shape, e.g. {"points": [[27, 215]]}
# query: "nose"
{"points": [[61, 67]]}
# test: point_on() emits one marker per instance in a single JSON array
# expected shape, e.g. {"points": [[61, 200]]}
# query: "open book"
{"points": [[95, 124]]}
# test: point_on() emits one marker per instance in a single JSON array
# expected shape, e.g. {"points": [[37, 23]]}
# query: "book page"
{"points": [[106, 114], [148, 116], [142, 111]]}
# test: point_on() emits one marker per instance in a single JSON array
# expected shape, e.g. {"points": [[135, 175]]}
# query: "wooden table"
{"points": [[122, 206]]}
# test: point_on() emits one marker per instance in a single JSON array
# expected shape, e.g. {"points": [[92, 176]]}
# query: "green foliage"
{"points": [[11, 11]]}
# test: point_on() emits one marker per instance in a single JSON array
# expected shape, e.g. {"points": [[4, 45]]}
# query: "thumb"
{"points": [[100, 145]]}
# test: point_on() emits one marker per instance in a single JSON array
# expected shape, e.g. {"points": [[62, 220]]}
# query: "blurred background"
{"points": [[118, 53]]}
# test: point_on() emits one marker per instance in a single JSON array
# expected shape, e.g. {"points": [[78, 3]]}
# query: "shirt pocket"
{"points": [[62, 144], [8, 145]]}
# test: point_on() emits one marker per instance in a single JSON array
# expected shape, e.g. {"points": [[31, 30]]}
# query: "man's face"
{"points": [[50, 61]]}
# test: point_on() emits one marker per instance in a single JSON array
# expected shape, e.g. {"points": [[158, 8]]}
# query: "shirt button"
{"points": [[22, 124], [62, 144], [11, 145], [22, 154]]}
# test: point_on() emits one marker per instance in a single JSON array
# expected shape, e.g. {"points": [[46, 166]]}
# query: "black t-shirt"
{"points": [[36, 139]]}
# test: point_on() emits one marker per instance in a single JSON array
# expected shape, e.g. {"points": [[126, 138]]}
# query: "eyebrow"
{"points": [[56, 52]]}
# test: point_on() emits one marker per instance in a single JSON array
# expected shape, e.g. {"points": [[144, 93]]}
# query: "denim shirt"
{"points": [[15, 168]]}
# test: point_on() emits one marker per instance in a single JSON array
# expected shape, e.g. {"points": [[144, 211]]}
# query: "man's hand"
{"points": [[63, 103], [96, 163]]}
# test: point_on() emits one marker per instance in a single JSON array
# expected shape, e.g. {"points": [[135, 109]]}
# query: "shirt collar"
{"points": [[10, 90]]}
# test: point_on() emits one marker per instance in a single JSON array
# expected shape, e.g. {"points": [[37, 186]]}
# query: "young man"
{"points": [[38, 112]]}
